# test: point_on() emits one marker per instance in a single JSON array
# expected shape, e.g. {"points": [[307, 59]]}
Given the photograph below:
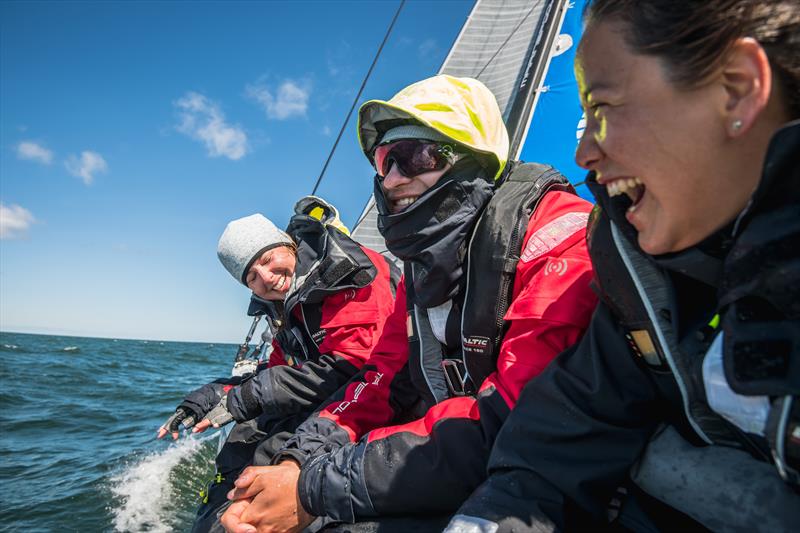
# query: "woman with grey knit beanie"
{"points": [[333, 298], [259, 255]]}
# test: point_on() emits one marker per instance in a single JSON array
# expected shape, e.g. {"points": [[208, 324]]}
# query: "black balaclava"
{"points": [[431, 234]]}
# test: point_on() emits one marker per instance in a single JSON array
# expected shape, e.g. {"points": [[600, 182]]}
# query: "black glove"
{"points": [[209, 401]]}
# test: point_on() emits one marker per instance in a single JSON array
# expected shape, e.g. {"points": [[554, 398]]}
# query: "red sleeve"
{"points": [[365, 403], [552, 302]]}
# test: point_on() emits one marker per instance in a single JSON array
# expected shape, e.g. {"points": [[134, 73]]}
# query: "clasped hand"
{"points": [[266, 501]]}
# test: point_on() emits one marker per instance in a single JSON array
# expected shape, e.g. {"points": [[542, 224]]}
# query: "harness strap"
{"points": [[492, 257], [493, 254]]}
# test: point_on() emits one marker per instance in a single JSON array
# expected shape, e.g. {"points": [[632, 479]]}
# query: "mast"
{"points": [[520, 110]]}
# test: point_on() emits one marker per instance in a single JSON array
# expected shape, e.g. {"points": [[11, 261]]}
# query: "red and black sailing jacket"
{"points": [[329, 325], [377, 448]]}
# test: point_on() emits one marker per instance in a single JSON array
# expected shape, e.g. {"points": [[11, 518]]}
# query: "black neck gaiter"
{"points": [[431, 233]]}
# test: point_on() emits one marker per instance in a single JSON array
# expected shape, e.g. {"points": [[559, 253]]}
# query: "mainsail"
{"points": [[509, 45]]}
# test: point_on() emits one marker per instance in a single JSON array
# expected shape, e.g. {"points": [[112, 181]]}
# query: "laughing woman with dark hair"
{"points": [[684, 390]]}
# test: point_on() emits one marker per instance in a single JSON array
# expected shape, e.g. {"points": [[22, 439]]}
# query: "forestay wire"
{"points": [[510, 35], [355, 100]]}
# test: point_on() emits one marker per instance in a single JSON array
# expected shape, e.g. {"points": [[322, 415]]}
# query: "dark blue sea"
{"points": [[78, 419]]}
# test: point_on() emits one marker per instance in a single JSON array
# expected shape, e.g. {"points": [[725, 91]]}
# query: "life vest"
{"points": [[442, 371], [638, 291], [328, 261]]}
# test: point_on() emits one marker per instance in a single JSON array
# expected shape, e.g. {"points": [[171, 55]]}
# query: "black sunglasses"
{"points": [[413, 157]]}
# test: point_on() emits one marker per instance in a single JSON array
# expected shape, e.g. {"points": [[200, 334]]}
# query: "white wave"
{"points": [[71, 349], [146, 492]]}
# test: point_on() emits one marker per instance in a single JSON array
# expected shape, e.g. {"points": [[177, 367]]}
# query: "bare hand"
{"points": [[232, 519], [251, 481], [267, 499]]}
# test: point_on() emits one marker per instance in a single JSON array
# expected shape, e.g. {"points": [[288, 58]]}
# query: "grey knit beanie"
{"points": [[244, 240], [413, 131]]}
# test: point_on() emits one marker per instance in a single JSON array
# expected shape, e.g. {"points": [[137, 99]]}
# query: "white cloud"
{"points": [[326, 130], [14, 221], [202, 120], [85, 167], [34, 152], [290, 99]]}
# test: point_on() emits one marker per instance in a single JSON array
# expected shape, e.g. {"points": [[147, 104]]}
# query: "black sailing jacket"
{"points": [[580, 426]]}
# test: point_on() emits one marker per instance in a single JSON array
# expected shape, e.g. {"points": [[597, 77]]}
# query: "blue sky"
{"points": [[132, 132]]}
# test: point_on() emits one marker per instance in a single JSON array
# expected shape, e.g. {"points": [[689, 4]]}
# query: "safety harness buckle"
{"points": [[454, 377]]}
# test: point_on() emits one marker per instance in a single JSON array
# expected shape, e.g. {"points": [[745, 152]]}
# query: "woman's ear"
{"points": [[747, 81]]}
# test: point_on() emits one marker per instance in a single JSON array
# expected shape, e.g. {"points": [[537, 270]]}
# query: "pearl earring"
{"points": [[737, 124]]}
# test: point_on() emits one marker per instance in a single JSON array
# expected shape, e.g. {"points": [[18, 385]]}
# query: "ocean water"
{"points": [[78, 419]]}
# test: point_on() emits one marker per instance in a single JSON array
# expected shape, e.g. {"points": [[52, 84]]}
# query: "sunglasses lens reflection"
{"points": [[411, 157]]}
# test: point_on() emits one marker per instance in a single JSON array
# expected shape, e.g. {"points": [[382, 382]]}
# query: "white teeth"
{"points": [[622, 186], [617, 187], [405, 202]]}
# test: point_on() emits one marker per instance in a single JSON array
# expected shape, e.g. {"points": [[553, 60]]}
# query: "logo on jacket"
{"points": [[318, 336], [476, 344], [556, 266], [552, 234], [359, 389]]}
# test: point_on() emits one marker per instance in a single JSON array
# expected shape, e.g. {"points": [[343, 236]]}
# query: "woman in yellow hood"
{"points": [[461, 110], [462, 341]]}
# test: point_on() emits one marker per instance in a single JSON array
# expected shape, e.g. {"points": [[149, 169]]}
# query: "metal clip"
{"points": [[245, 346], [454, 377]]}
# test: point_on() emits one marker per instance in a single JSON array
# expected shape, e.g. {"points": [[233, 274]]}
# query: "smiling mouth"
{"points": [[402, 203], [633, 187], [281, 283]]}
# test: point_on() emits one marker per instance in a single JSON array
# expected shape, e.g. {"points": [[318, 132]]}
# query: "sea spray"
{"points": [[149, 491]]}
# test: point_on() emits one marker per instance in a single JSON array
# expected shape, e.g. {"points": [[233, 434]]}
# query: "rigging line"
{"points": [[355, 101], [510, 35]]}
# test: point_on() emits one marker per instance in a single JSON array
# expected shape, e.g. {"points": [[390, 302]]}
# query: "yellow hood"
{"points": [[462, 109]]}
